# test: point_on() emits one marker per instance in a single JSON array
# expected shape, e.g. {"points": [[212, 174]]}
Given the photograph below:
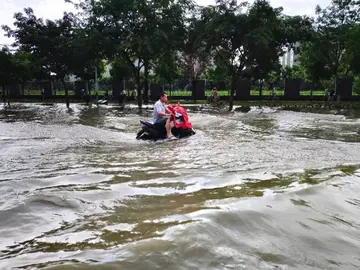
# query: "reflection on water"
{"points": [[256, 189]]}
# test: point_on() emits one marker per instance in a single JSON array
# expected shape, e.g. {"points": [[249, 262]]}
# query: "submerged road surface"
{"points": [[267, 189]]}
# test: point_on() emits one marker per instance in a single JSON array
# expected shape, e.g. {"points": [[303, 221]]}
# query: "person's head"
{"points": [[163, 97], [214, 90]]}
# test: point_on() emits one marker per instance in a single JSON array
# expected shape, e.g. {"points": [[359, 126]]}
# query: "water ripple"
{"points": [[258, 189]]}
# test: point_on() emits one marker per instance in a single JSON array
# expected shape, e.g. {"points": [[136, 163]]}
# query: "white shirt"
{"points": [[158, 107]]}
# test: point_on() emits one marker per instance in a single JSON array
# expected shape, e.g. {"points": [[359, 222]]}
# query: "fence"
{"points": [[180, 90]]}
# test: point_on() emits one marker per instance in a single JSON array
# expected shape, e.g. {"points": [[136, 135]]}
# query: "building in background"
{"points": [[290, 58]]}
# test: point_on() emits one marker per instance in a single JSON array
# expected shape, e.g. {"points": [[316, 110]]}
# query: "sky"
{"points": [[53, 9]]}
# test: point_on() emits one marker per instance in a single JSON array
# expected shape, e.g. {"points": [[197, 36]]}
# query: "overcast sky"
{"points": [[53, 9]]}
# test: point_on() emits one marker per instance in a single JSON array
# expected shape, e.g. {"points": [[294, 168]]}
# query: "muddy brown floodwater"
{"points": [[266, 189]]}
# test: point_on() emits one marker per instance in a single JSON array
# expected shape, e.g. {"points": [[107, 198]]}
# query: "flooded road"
{"points": [[266, 189]]}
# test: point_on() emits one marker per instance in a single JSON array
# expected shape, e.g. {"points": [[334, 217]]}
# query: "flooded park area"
{"points": [[261, 189]]}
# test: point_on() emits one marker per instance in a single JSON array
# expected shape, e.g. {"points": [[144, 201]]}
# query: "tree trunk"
{"points": [[53, 86], [335, 87], [193, 87], [260, 88], [3, 94], [87, 87], [232, 91], [66, 93], [96, 79], [146, 82], [87, 92], [23, 88], [8, 97], [139, 92]]}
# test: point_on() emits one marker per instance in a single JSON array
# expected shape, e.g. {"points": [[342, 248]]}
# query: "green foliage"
{"points": [[48, 41], [84, 59], [356, 88], [250, 42], [195, 50], [120, 69], [218, 74], [163, 41], [24, 68], [140, 32], [6, 67], [313, 59], [352, 56], [333, 51], [166, 69]]}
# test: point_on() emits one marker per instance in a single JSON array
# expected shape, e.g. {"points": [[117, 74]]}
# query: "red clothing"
{"points": [[184, 123]]}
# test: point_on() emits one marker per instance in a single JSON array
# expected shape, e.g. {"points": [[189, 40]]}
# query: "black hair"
{"points": [[162, 94]]}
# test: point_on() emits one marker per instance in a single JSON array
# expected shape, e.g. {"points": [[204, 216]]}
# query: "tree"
{"points": [[140, 32], [87, 43], [24, 67], [166, 68], [332, 52], [244, 40], [334, 25], [49, 41], [286, 32], [313, 60], [274, 79], [85, 61], [120, 69], [195, 53], [352, 57], [218, 73], [262, 72], [6, 70], [294, 30]]}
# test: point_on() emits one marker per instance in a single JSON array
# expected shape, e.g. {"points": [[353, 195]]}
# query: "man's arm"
{"points": [[163, 114], [160, 113], [167, 110]]}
